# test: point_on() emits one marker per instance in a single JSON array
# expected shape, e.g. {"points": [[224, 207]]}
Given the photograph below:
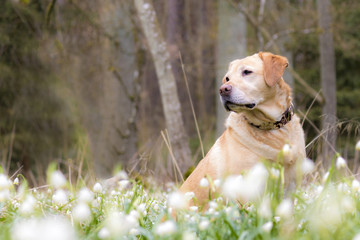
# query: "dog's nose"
{"points": [[225, 90]]}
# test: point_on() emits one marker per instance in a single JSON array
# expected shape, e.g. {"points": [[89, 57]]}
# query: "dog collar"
{"points": [[285, 118]]}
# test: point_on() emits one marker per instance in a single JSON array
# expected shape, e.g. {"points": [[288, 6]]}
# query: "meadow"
{"points": [[320, 208]]}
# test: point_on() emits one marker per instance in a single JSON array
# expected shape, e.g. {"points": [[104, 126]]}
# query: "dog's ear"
{"points": [[274, 67]]}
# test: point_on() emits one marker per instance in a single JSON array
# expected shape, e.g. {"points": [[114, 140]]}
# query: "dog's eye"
{"points": [[227, 79], [246, 72]]}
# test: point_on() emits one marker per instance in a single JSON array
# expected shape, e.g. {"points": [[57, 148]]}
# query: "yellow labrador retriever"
{"points": [[261, 122]]}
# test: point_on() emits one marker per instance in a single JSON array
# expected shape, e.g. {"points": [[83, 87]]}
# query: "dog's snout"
{"points": [[225, 90]]}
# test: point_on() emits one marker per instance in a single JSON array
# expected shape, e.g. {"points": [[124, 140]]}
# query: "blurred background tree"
{"points": [[79, 86]]}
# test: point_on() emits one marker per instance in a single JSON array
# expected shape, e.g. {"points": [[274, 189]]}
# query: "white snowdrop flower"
{"points": [[217, 183], [134, 231], [264, 209], [135, 214], [166, 228], [307, 166], [348, 205], [81, 212], [248, 188], [85, 195], [132, 221], [355, 185], [286, 149], [356, 237], [16, 181], [113, 193], [204, 224], [57, 179], [27, 206], [340, 162], [285, 208], [60, 197], [4, 195], [194, 208], [55, 228], [204, 183], [97, 188], [231, 186], [177, 200], [4, 182], [211, 211], [277, 218], [189, 195], [357, 146], [319, 189], [189, 236], [117, 224], [275, 173], [267, 226], [325, 177], [103, 233], [219, 200], [122, 175], [213, 205], [142, 207], [124, 183]]}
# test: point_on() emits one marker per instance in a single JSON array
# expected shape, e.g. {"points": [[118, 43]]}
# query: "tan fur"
{"points": [[241, 146]]}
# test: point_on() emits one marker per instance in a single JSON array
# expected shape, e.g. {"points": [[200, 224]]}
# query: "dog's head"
{"points": [[251, 81]]}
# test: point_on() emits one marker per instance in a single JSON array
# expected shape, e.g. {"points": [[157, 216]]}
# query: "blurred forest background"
{"points": [[97, 84]]}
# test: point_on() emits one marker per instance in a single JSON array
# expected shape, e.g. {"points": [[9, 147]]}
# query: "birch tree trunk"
{"points": [[328, 80], [231, 45], [168, 90]]}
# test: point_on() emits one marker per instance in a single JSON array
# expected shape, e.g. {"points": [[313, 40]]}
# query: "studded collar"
{"points": [[285, 118]]}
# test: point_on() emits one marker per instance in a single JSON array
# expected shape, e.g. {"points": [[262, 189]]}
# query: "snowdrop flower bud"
{"points": [[57, 179], [217, 183], [165, 228], [204, 183], [134, 231], [4, 182], [286, 149], [194, 208], [97, 188], [355, 185], [307, 166], [142, 207], [204, 224], [275, 173], [124, 183], [27, 206], [340, 162], [267, 226], [189, 195], [104, 233], [177, 200], [81, 212], [85, 195], [16, 181], [264, 209], [325, 177], [284, 209], [357, 147], [60, 197]]}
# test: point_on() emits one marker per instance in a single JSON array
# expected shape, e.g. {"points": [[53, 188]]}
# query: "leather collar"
{"points": [[285, 118]]}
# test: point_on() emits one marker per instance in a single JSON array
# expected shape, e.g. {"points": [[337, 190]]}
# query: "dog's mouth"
{"points": [[230, 106]]}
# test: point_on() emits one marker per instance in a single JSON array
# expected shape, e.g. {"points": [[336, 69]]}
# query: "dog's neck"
{"points": [[274, 112]]}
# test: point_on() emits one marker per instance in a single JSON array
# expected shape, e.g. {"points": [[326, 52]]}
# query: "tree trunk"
{"points": [[328, 81], [231, 45], [169, 97]]}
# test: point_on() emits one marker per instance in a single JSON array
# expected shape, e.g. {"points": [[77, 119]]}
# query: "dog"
{"points": [[260, 123]]}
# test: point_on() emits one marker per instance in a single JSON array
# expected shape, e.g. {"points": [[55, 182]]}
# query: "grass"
{"points": [[322, 209]]}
